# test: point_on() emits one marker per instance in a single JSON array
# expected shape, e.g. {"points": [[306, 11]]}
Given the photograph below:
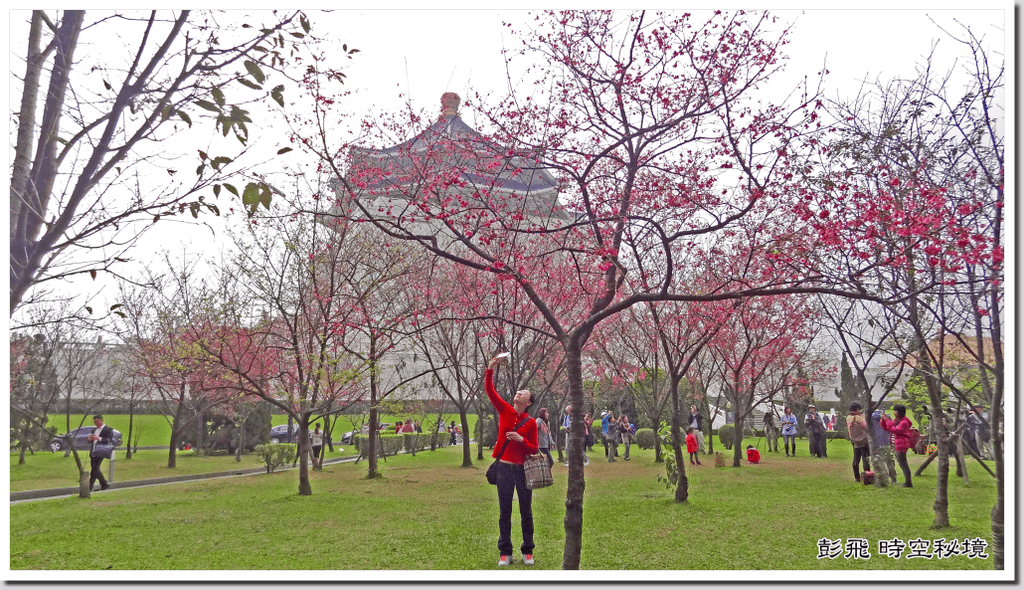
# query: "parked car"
{"points": [[280, 434], [80, 439]]}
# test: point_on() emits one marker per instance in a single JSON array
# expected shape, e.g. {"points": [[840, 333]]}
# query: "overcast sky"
{"points": [[424, 53]]}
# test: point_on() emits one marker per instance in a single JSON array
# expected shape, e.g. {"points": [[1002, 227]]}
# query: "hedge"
{"points": [[392, 444], [644, 438]]}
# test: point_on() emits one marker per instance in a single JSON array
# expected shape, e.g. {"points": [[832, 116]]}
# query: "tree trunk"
{"points": [[26, 125], [467, 450], [576, 480], [683, 489], [465, 433], [241, 441], [84, 489], [172, 456], [131, 425], [200, 430], [305, 489], [434, 435], [998, 529], [372, 443], [327, 441], [737, 441], [26, 254]]}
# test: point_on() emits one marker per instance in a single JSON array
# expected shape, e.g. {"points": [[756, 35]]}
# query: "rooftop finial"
{"points": [[450, 103]]}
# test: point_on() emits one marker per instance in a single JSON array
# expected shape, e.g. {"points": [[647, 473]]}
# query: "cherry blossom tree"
{"points": [[760, 345], [918, 166], [153, 326], [651, 130]]}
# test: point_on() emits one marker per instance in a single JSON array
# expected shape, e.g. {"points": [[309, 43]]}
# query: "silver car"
{"points": [[80, 439]]}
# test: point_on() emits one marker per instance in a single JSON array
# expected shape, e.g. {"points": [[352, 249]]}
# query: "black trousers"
{"points": [[860, 454], [901, 458], [97, 472], [511, 479]]}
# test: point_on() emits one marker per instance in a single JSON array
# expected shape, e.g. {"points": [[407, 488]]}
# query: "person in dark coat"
{"points": [[103, 435], [815, 432]]}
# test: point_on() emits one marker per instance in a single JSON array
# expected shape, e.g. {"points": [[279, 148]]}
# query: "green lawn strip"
{"points": [[428, 513], [54, 470], [155, 430]]}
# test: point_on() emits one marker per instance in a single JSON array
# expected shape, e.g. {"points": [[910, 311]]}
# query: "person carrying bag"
{"points": [[492, 471], [509, 473]]}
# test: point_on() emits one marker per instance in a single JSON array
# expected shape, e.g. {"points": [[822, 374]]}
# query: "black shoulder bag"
{"points": [[492, 471]]}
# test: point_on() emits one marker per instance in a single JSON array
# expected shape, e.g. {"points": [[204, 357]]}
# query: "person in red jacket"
{"points": [[511, 478], [899, 430], [691, 446], [753, 456]]}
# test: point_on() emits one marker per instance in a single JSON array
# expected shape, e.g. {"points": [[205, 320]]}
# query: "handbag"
{"points": [[492, 471], [538, 472], [105, 450]]}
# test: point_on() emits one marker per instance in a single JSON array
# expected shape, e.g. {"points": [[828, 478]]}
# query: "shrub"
{"points": [[275, 455], [417, 441], [389, 444], [725, 434], [644, 438]]}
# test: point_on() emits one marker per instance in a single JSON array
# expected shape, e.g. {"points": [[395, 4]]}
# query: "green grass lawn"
{"points": [[427, 513], [54, 470], [155, 431]]}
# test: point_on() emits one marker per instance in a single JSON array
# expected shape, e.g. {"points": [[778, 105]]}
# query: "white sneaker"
{"points": [[528, 558], [505, 560]]}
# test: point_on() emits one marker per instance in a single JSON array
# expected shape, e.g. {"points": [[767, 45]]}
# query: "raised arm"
{"points": [[498, 403]]}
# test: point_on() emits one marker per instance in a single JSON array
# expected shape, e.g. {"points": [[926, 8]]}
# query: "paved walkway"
{"points": [[29, 495]]}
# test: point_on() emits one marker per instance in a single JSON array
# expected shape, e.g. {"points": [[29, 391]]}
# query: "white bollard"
{"points": [[110, 478]]}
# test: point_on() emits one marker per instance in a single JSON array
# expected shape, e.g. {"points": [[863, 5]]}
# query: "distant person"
{"points": [[789, 430], [544, 439], [899, 429], [316, 443], [815, 432], [857, 426], [605, 417], [977, 432], [104, 435], [511, 479], [878, 434], [696, 423], [408, 427], [691, 446], [417, 428], [753, 456], [398, 427], [613, 437], [626, 434], [771, 433], [566, 425], [588, 436], [454, 432]]}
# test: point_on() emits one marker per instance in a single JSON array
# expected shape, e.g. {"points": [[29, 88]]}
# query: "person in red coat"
{"points": [[692, 446], [511, 479], [899, 430], [752, 455]]}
